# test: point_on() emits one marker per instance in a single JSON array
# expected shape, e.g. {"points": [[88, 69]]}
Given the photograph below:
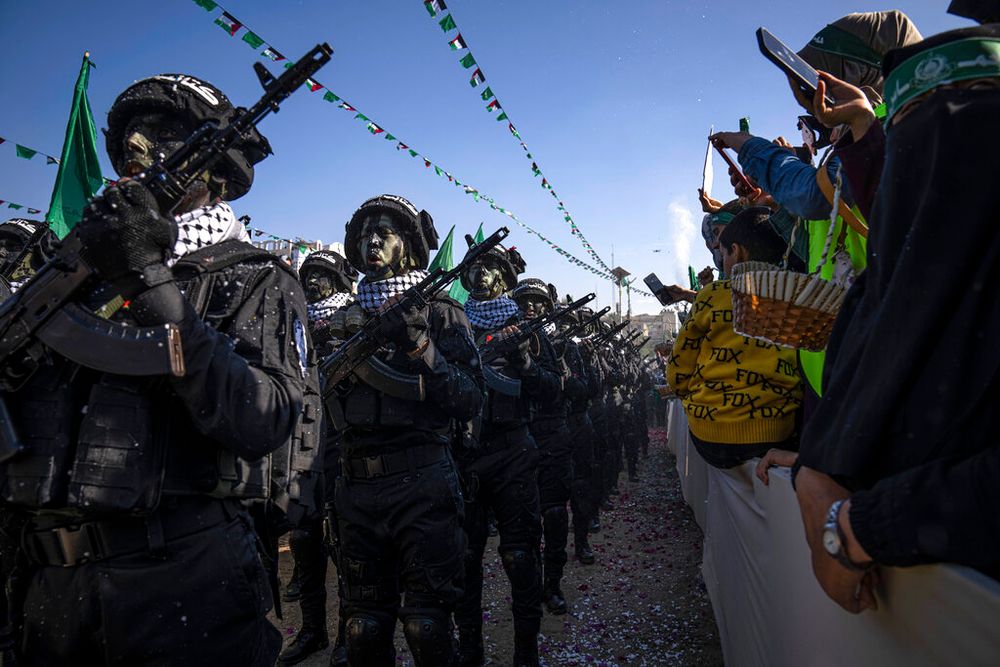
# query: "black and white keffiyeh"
{"points": [[322, 310], [491, 314], [371, 295], [206, 226]]}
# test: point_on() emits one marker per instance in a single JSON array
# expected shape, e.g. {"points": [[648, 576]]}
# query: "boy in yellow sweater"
{"points": [[741, 395]]}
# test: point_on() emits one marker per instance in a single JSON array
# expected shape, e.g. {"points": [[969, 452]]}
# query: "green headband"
{"points": [[721, 218], [961, 60], [839, 42]]}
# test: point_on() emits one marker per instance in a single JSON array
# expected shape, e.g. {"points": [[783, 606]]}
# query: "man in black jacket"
{"points": [[135, 547], [328, 281], [502, 474], [399, 505]]}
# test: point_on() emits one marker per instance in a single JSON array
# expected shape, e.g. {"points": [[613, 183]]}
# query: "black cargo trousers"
{"points": [[585, 495], [401, 555], [502, 476], [184, 586], [555, 476]]}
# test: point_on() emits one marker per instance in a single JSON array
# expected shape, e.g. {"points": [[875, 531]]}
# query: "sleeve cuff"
{"points": [[879, 520]]}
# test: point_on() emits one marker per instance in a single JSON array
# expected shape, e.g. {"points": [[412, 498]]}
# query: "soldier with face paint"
{"points": [[501, 474], [328, 281], [136, 544], [399, 506], [551, 433]]}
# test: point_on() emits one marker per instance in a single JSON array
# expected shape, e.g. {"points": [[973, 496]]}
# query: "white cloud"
{"points": [[682, 231]]}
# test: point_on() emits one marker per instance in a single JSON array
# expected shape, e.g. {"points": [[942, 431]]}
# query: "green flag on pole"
{"points": [[457, 292], [79, 176], [693, 278], [444, 260]]}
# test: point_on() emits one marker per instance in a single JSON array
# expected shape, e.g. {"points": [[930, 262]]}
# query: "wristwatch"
{"points": [[835, 542]]}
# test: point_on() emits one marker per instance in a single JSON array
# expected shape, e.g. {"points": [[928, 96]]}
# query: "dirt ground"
{"points": [[642, 603]]}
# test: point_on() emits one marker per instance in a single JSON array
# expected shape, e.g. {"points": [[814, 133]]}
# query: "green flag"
{"points": [[693, 278], [443, 259], [457, 291], [79, 176], [25, 152]]}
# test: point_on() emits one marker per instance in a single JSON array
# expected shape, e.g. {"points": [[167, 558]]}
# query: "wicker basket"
{"points": [[784, 307]]}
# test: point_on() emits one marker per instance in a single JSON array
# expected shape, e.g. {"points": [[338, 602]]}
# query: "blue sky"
{"points": [[614, 99]]}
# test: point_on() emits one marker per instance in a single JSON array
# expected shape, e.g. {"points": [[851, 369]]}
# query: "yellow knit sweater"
{"points": [[735, 390]]}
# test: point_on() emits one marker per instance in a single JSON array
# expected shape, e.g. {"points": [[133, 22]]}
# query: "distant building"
{"points": [[660, 328], [295, 252]]}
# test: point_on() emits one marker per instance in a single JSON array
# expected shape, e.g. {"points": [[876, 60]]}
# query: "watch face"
{"points": [[831, 541]]}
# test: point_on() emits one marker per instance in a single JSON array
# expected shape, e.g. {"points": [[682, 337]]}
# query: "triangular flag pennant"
{"points": [[535, 169], [2, 140], [401, 146], [228, 23], [207, 5], [25, 152], [434, 7], [330, 97], [502, 116], [427, 162], [510, 126], [477, 78], [272, 53], [252, 39], [375, 129], [495, 104], [389, 137], [412, 153], [34, 211], [545, 183], [437, 170], [487, 94], [51, 160], [16, 207], [313, 85], [363, 117], [447, 23], [458, 43], [468, 61], [346, 107]]}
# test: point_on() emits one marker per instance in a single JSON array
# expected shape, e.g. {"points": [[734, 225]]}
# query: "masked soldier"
{"points": [[399, 506], [584, 497], [548, 427], [598, 414], [328, 280], [136, 549], [501, 474]]}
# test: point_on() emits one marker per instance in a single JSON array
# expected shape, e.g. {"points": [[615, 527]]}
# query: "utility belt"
{"points": [[500, 440], [92, 541], [408, 460]]}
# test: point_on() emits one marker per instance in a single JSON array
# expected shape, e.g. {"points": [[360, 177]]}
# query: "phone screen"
{"points": [[789, 61]]}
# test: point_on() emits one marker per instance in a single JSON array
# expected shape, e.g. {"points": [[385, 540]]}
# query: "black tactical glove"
{"points": [[124, 234], [406, 327], [518, 355]]}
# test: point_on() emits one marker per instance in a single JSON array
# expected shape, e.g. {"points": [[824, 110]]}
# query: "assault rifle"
{"points": [[582, 326], [41, 312], [637, 346], [605, 337], [525, 330], [369, 338]]}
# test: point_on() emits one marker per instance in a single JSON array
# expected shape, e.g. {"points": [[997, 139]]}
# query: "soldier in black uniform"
{"points": [[556, 448], [328, 280], [502, 474], [584, 497], [135, 546], [399, 505]]}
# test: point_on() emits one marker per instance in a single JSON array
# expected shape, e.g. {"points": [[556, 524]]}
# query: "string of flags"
{"points": [[17, 207], [436, 9], [25, 153], [232, 26]]}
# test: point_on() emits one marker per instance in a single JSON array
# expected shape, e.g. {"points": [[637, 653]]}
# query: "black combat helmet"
{"points": [[535, 287], [332, 262], [417, 227], [511, 265], [197, 101], [15, 235]]}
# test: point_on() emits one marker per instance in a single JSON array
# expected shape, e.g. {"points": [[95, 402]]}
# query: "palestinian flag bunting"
{"points": [[375, 129], [272, 53], [487, 94], [330, 97], [207, 5], [228, 23], [495, 104], [468, 61], [25, 152], [313, 85], [434, 7], [252, 39], [458, 43], [477, 78], [447, 23]]}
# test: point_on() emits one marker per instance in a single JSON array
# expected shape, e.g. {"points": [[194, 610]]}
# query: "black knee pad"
{"points": [[556, 518], [369, 639], [522, 568], [428, 633]]}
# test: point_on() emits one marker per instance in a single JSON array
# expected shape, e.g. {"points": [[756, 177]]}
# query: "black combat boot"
{"points": [[584, 553], [308, 641], [470, 646], [525, 644], [553, 597]]}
